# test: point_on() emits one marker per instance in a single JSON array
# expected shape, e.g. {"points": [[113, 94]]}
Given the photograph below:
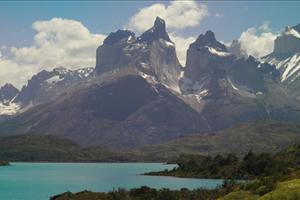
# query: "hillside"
{"points": [[47, 148], [273, 137]]}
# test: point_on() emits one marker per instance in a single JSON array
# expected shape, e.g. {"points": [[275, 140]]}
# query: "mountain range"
{"points": [[139, 94]]}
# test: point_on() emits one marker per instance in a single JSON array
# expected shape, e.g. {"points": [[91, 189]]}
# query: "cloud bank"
{"points": [[57, 42], [178, 14], [257, 42]]}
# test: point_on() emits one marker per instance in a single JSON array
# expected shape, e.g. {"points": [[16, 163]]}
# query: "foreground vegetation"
{"points": [[230, 166], [286, 190], [269, 177], [144, 193], [4, 163]]}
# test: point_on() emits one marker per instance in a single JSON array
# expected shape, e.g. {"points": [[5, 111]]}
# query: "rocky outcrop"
{"points": [[124, 111], [8, 92], [47, 85], [288, 42], [152, 54], [286, 58], [227, 90]]}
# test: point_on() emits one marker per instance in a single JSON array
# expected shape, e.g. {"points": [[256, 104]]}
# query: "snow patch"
{"points": [[149, 79], [216, 52], [291, 67], [292, 32], [54, 79]]}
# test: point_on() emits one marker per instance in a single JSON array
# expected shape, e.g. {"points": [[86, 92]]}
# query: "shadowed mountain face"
{"points": [[228, 90], [152, 54], [127, 111], [8, 92], [286, 58], [47, 85], [139, 94]]}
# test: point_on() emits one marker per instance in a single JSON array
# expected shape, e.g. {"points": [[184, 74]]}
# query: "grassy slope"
{"points": [[259, 136], [49, 148], [287, 190]]}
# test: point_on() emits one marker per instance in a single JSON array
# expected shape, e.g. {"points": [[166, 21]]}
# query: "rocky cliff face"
{"points": [[141, 95], [208, 62], [48, 85], [225, 89], [286, 58], [152, 54], [120, 111], [8, 92], [288, 42]]}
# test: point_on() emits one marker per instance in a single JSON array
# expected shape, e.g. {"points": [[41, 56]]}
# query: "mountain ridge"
{"points": [[139, 94]]}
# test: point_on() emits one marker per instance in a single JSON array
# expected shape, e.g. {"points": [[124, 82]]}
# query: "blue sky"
{"points": [[106, 16], [39, 35]]}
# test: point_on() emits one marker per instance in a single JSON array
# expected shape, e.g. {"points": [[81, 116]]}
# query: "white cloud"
{"points": [[182, 44], [12, 72], [58, 42], [178, 15], [257, 44]]}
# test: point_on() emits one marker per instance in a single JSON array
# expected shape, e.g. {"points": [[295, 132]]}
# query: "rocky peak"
{"points": [[208, 40], [117, 36], [8, 92], [297, 28], [158, 31], [288, 42]]}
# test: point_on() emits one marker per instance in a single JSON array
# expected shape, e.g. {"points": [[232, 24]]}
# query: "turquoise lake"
{"points": [[40, 181]]}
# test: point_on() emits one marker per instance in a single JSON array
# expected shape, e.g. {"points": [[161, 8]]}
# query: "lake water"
{"points": [[39, 181]]}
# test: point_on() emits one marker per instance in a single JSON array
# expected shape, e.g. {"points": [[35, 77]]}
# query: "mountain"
{"points": [[127, 104], [258, 136], [153, 54], [47, 85], [138, 94], [120, 110], [286, 58], [7, 93], [227, 90]]}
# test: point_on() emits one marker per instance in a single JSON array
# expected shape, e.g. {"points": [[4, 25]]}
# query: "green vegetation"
{"points": [[286, 190], [144, 193], [4, 163], [48, 148], [260, 136], [273, 137], [272, 177], [231, 167]]}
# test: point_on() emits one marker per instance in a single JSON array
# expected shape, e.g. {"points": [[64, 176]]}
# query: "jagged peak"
{"points": [[159, 23], [297, 28], [208, 40], [117, 36], [7, 85], [158, 31], [8, 91], [287, 43]]}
